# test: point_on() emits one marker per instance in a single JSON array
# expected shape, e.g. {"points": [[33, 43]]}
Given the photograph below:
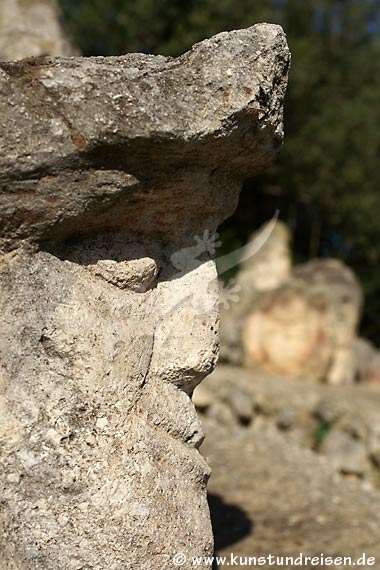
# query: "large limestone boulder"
{"points": [[115, 173], [31, 28], [287, 334]]}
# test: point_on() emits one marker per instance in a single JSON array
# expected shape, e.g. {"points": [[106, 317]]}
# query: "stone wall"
{"points": [[115, 173]]}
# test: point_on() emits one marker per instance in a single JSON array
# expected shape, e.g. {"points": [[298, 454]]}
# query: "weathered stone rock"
{"points": [[266, 263], [338, 289], [329, 410], [31, 28], [284, 333], [109, 168], [240, 403]]}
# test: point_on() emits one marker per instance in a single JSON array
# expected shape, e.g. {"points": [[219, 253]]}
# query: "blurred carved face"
{"points": [[283, 336]]}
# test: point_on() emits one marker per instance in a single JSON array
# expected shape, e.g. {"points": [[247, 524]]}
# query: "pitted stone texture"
{"points": [[99, 446], [112, 170], [31, 28]]}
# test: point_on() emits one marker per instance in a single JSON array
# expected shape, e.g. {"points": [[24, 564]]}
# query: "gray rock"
{"points": [[349, 455], [222, 414], [87, 142], [286, 419], [240, 402], [309, 414], [329, 410], [356, 427], [109, 168]]}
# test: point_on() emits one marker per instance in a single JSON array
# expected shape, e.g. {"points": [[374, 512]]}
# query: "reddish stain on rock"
{"points": [[78, 140]]}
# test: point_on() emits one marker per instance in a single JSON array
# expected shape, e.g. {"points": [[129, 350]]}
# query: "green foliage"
{"points": [[321, 432], [169, 27], [329, 164]]}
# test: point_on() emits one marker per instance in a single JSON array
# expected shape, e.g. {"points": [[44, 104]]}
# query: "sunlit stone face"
{"points": [[104, 353], [187, 331]]}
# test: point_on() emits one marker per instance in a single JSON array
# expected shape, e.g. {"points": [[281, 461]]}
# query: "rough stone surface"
{"points": [[348, 454], [293, 324], [272, 490], [339, 422], [109, 168], [268, 496], [31, 28], [336, 295]]}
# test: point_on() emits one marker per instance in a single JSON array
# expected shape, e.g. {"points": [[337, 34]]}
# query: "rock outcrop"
{"points": [[339, 423], [295, 324], [110, 168], [32, 28]]}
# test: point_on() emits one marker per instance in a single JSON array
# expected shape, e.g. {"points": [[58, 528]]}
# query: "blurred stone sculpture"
{"points": [[265, 266], [109, 168], [32, 28], [299, 324]]}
